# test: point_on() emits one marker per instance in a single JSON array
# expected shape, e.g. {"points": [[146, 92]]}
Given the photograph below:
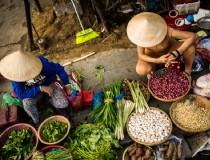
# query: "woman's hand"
{"points": [[69, 90], [47, 89], [163, 59]]}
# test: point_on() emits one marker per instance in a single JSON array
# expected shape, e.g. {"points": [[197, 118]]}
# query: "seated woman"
{"points": [[32, 77], [157, 43]]}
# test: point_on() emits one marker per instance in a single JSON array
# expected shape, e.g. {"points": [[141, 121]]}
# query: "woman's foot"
{"points": [[149, 75], [190, 79]]}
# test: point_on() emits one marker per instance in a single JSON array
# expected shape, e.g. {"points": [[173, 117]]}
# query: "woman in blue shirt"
{"points": [[31, 77]]}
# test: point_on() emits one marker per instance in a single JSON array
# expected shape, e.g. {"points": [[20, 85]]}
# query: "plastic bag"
{"points": [[8, 100], [198, 64], [203, 48], [198, 142], [98, 99], [76, 102]]}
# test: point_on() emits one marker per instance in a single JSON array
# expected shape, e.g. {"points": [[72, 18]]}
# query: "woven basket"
{"points": [[19, 127], [51, 119], [204, 102], [170, 100], [146, 94], [154, 143], [126, 152]]}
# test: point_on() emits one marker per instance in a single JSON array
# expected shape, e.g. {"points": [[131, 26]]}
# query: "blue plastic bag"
{"points": [[98, 99]]}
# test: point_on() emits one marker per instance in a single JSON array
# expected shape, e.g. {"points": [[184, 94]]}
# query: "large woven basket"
{"points": [[19, 127], [145, 92], [49, 120], [169, 100], [154, 143], [126, 152], [202, 101]]}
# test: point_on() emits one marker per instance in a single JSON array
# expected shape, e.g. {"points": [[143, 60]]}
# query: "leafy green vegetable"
{"points": [[58, 155], [92, 142], [106, 113], [18, 146], [54, 131]]}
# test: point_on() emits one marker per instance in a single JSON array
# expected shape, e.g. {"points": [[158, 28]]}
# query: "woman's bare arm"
{"points": [[189, 39]]}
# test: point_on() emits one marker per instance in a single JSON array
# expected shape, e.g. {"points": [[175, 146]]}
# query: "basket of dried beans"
{"points": [[169, 85], [150, 128]]}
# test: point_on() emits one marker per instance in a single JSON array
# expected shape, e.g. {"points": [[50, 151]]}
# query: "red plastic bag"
{"points": [[76, 102], [88, 97]]}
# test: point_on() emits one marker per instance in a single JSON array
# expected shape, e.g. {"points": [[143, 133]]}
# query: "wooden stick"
{"points": [[78, 59]]}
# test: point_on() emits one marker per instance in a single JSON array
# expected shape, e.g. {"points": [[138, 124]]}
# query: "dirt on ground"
{"points": [[59, 33]]}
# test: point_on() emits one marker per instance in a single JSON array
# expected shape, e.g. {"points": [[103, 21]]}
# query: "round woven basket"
{"points": [[169, 100], [146, 93], [19, 127], [154, 143], [202, 101], [49, 120], [126, 152]]}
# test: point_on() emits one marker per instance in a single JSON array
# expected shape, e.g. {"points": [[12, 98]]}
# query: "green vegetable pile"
{"points": [[92, 142], [58, 154], [54, 131], [18, 146]]}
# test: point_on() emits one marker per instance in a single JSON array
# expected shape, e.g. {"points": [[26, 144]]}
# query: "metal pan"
{"points": [[204, 23]]}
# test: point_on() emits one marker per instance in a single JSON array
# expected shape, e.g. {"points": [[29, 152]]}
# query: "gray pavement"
{"points": [[118, 63]]}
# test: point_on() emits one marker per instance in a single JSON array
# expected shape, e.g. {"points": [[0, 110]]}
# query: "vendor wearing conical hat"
{"points": [[157, 43], [32, 77]]}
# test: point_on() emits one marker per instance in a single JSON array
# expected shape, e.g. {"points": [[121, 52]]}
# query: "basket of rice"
{"points": [[18, 142], [150, 128], [168, 85], [53, 130], [191, 113]]}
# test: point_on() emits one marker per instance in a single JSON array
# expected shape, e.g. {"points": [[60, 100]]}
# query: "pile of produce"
{"points": [[151, 127], [92, 142], [139, 152], [54, 131], [191, 113], [127, 92], [54, 154], [168, 84], [170, 150], [202, 86], [141, 105], [18, 145]]}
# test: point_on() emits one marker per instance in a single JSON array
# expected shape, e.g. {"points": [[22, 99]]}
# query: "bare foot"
{"points": [[149, 75]]}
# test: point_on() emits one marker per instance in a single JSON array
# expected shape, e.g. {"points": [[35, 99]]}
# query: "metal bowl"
{"points": [[204, 23]]}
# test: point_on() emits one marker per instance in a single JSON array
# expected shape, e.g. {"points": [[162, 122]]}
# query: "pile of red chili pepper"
{"points": [[169, 84]]}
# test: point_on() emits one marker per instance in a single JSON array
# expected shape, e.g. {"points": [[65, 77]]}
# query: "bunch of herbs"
{"points": [[18, 146]]}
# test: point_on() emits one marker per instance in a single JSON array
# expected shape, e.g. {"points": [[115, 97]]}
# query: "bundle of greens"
{"points": [[18, 146], [106, 113], [92, 142], [125, 107], [141, 105], [54, 131]]}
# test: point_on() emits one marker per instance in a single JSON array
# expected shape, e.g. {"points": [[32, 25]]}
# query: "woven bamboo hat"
{"points": [[146, 29], [19, 66]]}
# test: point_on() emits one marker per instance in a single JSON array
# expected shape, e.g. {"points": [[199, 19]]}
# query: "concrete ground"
{"points": [[118, 63]]}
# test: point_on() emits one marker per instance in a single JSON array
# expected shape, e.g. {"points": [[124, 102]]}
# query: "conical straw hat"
{"points": [[146, 29], [20, 67]]}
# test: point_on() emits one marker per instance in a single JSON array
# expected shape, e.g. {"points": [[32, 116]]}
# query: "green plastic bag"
{"points": [[8, 101]]}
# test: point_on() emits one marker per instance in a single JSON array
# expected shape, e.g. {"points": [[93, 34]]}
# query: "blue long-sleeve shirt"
{"points": [[46, 77]]}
